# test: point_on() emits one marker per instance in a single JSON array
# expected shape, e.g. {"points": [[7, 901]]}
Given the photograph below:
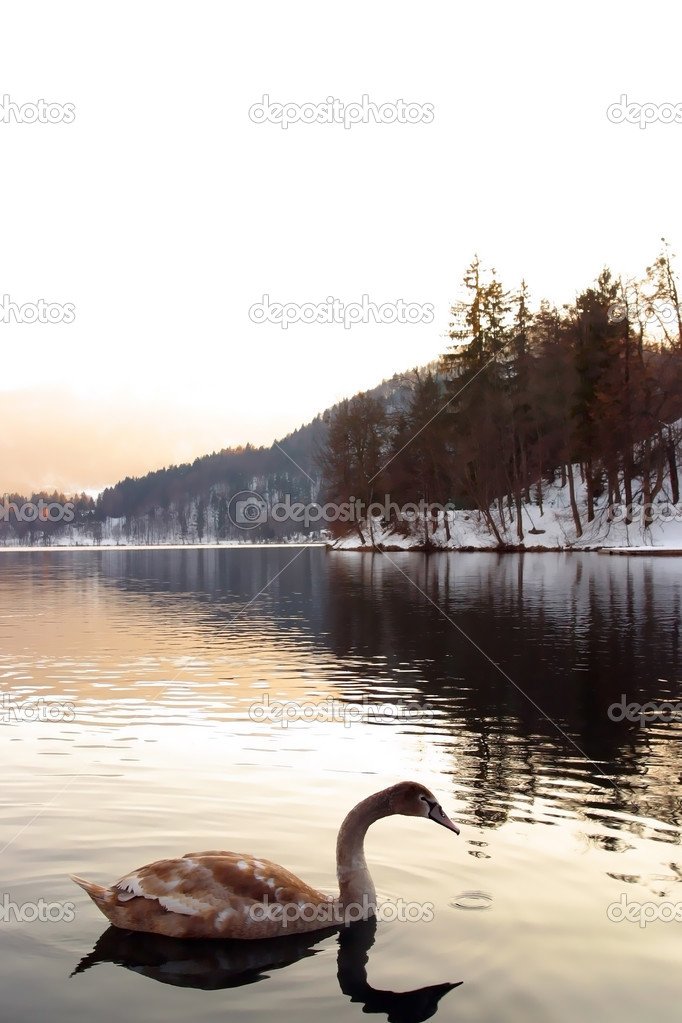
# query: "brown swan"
{"points": [[230, 895]]}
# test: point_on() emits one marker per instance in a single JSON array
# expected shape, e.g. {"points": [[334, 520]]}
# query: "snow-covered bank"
{"points": [[644, 551], [550, 529], [548, 522]]}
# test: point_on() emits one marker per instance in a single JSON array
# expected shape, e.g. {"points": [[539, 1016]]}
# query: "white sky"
{"points": [[163, 213]]}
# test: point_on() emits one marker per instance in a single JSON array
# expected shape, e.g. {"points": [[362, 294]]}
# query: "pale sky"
{"points": [[162, 213]]}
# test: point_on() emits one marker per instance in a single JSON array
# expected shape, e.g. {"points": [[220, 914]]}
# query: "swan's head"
{"points": [[414, 800]]}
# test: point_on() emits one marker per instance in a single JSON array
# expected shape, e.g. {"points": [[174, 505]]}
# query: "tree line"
{"points": [[521, 396]]}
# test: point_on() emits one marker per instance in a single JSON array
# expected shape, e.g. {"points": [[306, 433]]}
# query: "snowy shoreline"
{"points": [[552, 521], [634, 551], [421, 548], [548, 525]]}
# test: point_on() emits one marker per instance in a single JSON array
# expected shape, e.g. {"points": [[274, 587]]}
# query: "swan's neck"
{"points": [[355, 882]]}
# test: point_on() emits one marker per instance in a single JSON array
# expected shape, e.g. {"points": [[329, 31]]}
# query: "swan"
{"points": [[229, 895]]}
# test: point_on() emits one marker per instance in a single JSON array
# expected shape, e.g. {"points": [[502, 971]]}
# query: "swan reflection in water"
{"points": [[211, 965]]}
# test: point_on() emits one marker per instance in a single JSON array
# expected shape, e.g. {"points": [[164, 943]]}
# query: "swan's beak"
{"points": [[439, 817]]}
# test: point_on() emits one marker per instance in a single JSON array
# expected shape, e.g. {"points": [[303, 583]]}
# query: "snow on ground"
{"points": [[553, 528]]}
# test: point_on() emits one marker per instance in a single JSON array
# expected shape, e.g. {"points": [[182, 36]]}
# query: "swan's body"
{"points": [[229, 895]]}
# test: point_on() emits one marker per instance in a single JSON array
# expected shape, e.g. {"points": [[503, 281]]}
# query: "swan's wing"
{"points": [[209, 883]]}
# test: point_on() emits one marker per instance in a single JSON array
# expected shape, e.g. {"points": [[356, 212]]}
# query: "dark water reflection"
{"points": [[492, 678], [211, 966], [505, 649]]}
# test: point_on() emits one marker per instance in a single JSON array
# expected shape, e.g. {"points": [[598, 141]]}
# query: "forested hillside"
{"points": [[521, 396], [524, 401]]}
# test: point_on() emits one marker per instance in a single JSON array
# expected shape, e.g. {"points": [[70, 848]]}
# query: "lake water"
{"points": [[488, 678]]}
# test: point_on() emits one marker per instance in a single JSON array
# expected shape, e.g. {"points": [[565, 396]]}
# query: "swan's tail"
{"points": [[99, 895]]}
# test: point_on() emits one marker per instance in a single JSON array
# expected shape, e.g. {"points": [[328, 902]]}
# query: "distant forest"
{"points": [[517, 396]]}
